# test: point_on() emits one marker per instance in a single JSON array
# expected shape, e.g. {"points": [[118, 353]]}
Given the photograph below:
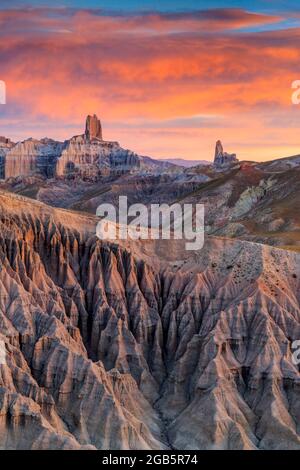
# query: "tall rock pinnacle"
{"points": [[223, 158], [219, 149], [93, 129]]}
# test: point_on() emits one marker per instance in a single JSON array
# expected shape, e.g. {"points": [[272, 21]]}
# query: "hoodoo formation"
{"points": [[93, 129], [85, 155], [222, 158]]}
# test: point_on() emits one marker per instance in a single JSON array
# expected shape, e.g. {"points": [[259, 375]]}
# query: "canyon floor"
{"points": [[143, 345]]}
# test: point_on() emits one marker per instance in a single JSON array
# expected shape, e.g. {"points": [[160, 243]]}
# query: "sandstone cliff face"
{"points": [[143, 345], [93, 129], [86, 155], [91, 157], [5, 146], [32, 157], [5, 143]]}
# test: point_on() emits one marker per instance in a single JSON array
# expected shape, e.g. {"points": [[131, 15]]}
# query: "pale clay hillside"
{"points": [[143, 345]]}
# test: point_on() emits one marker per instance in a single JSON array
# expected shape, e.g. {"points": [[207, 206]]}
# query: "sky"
{"points": [[166, 78]]}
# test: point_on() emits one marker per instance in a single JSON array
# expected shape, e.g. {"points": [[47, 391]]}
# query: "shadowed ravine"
{"points": [[111, 346]]}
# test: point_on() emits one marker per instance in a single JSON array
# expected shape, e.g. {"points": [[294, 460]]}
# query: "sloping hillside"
{"points": [[136, 346]]}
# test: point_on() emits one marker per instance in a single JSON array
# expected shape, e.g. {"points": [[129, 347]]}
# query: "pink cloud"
{"points": [[61, 65]]}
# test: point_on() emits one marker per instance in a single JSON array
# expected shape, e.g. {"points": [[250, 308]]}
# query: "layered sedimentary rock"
{"points": [[222, 158], [92, 157], [5, 146], [93, 129], [142, 344], [88, 155], [5, 142], [32, 157]]}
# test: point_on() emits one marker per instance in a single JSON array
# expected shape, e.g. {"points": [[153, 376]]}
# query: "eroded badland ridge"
{"points": [[116, 346], [142, 344]]}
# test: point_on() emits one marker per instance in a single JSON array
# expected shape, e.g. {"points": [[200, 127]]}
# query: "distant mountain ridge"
{"points": [[185, 162]]}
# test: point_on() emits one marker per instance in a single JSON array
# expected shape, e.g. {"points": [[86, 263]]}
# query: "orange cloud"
{"points": [[151, 76]]}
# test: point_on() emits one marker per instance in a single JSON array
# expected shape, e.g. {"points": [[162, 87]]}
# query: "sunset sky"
{"points": [[167, 79]]}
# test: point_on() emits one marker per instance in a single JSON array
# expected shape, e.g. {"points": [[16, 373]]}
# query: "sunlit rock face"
{"points": [[85, 156], [223, 159], [5, 142], [88, 155], [93, 129], [32, 157], [90, 158], [142, 345]]}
